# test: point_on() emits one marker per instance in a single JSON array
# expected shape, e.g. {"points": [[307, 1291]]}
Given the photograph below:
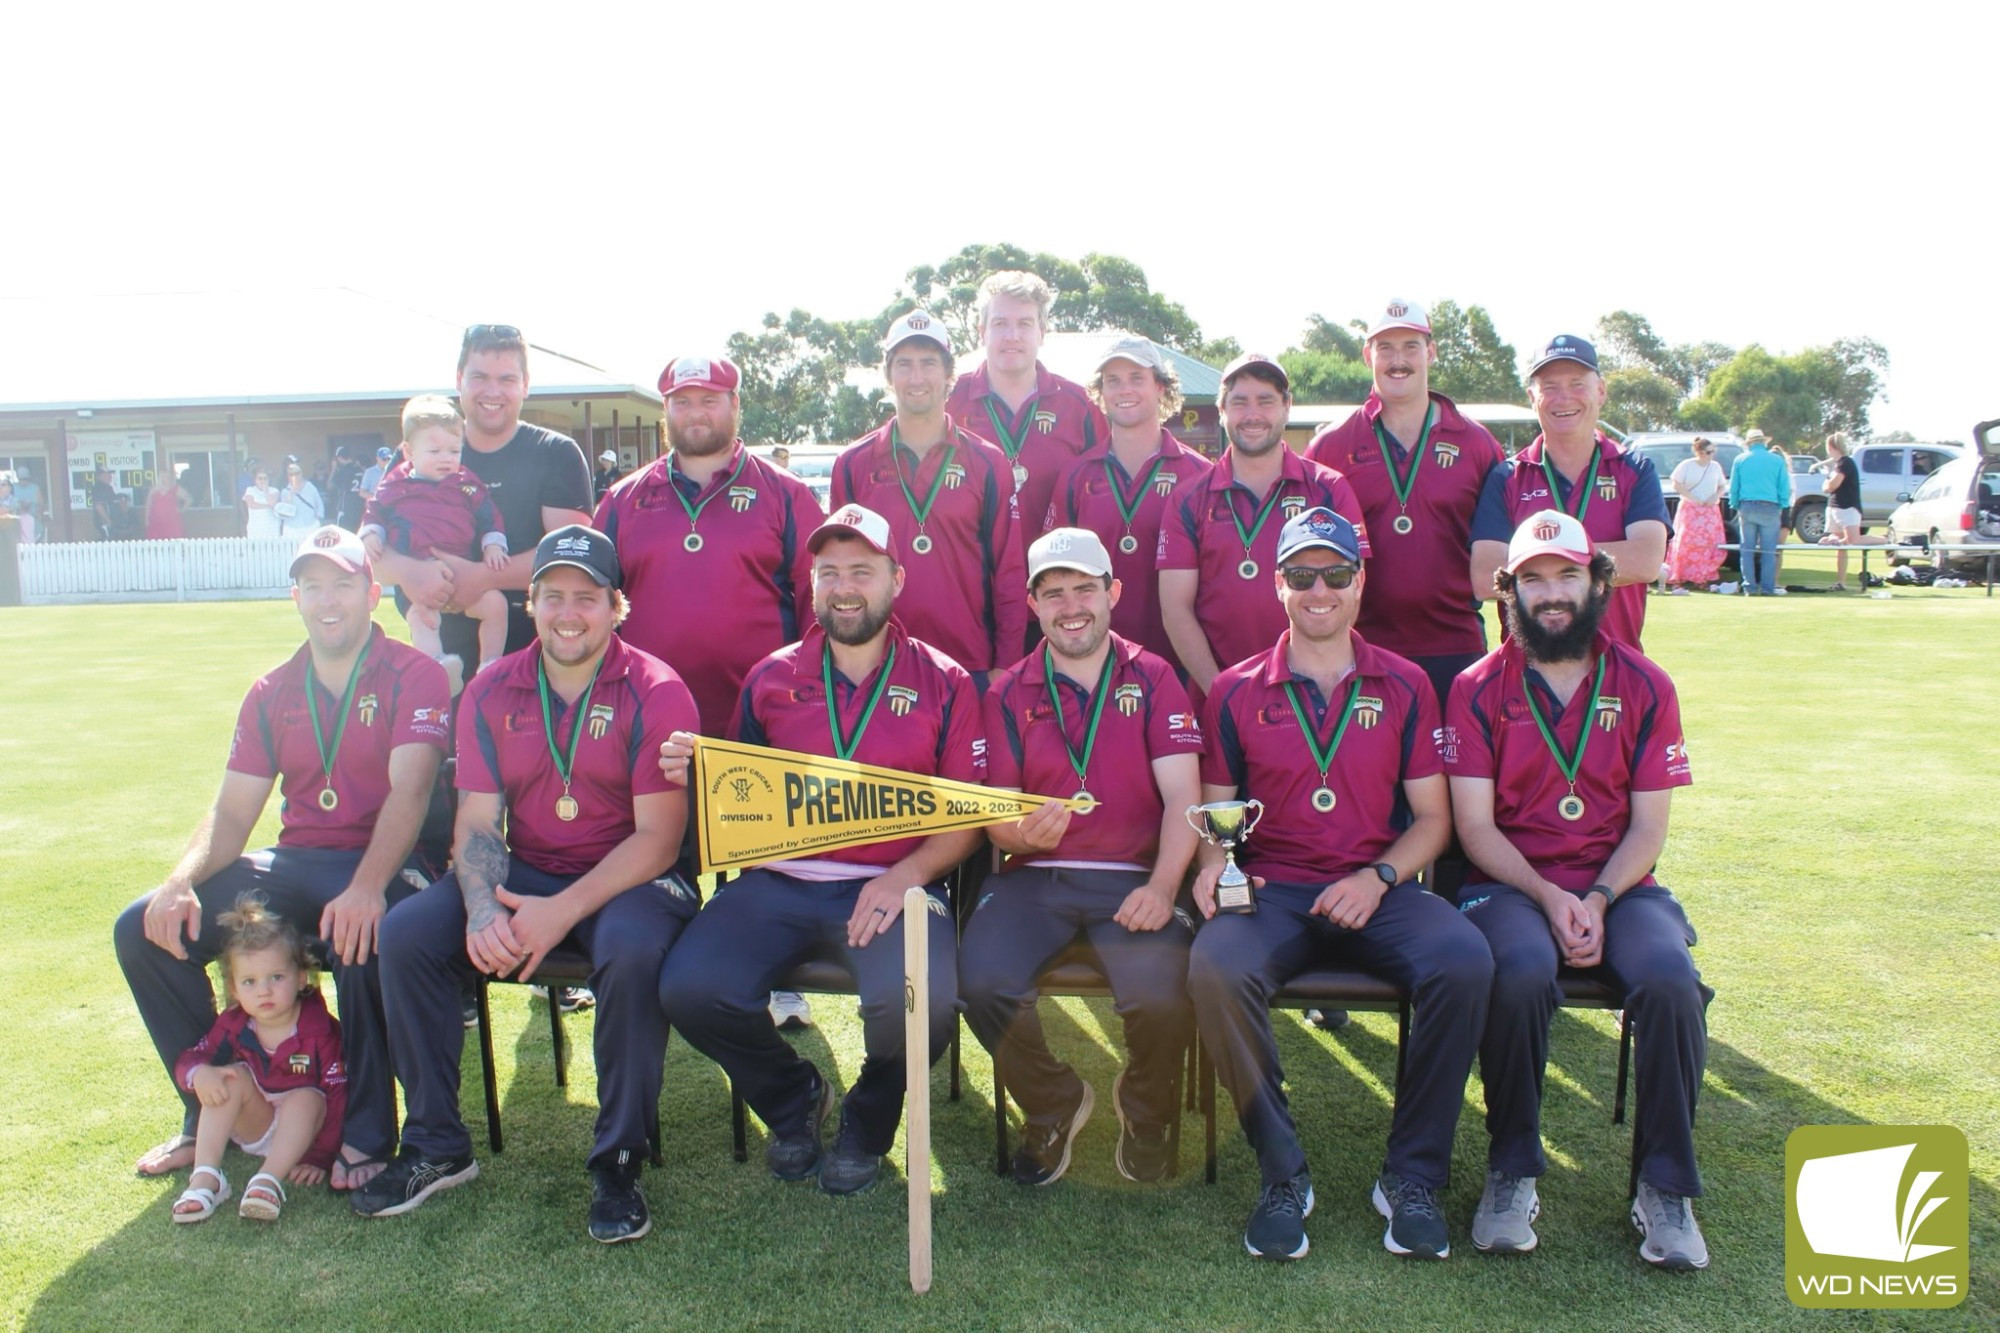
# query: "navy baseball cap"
{"points": [[581, 548], [1319, 528], [1566, 347], [385, 453]]}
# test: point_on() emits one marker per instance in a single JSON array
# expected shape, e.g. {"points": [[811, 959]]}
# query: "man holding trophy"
{"points": [[1338, 741]]}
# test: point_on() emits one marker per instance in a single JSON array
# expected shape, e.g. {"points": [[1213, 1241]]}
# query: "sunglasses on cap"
{"points": [[1300, 578], [479, 333]]}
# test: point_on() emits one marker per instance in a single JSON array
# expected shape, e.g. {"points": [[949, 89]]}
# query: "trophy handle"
{"points": [[1254, 812], [1195, 824]]}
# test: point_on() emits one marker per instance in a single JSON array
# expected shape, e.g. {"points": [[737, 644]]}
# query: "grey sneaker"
{"points": [[791, 1011], [1416, 1227], [1670, 1237], [1045, 1149], [1277, 1227], [1504, 1222]]}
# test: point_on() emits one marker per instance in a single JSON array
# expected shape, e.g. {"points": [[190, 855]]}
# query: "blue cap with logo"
{"points": [[1322, 528], [1566, 347]]}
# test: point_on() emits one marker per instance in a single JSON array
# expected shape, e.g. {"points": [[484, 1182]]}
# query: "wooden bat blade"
{"points": [[917, 1073]]}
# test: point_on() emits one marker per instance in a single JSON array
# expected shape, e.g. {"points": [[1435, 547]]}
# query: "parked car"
{"points": [[1957, 504], [1668, 449], [812, 464], [1887, 471]]}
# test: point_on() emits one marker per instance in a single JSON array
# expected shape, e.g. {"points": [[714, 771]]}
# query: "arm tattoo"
{"points": [[483, 865]]}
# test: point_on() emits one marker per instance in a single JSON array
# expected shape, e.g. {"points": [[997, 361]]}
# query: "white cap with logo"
{"points": [[1548, 532], [1068, 548], [918, 323], [1401, 314]]}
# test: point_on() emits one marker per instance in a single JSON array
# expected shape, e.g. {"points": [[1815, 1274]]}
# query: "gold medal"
{"points": [[1324, 800], [692, 542], [921, 545], [1248, 569], [328, 799], [1128, 543], [1403, 524], [1570, 807], [566, 807], [1020, 476], [1085, 802]]}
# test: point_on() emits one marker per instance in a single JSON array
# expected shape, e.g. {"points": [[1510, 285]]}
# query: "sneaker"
{"points": [[1504, 1221], [1277, 1228], [1328, 1020], [1416, 1223], [1044, 1152], [468, 1012], [790, 1011], [618, 1209], [1779, 592], [1669, 1235], [569, 999], [1677, 592], [1145, 1152], [848, 1169], [408, 1181], [797, 1156]]}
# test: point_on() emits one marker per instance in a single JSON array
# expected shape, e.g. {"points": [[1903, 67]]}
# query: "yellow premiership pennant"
{"points": [[759, 804]]}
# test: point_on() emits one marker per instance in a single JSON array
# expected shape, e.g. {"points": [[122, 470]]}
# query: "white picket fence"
{"points": [[186, 569]]}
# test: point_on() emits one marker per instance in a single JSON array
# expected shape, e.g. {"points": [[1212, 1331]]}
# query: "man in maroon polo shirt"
{"points": [[1417, 466], [1087, 711], [351, 730], [1040, 420], [566, 829], [1125, 488], [1574, 468], [1219, 545], [949, 499], [1338, 739], [856, 687], [1564, 746]]}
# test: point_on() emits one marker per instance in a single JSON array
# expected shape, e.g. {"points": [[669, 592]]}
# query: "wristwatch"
{"points": [[1386, 873], [1609, 896]]}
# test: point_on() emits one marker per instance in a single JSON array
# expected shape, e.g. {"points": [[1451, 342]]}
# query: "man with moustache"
{"points": [[948, 497], [566, 830], [1040, 420], [1087, 711], [1338, 739], [1563, 748], [1219, 545], [1573, 467], [1124, 489], [859, 687]]}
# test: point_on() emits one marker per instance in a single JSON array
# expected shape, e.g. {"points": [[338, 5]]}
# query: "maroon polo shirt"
{"points": [[1627, 492], [1146, 717], [1419, 601], [1636, 744], [418, 515], [1255, 746], [1056, 426], [927, 720], [1241, 616], [1085, 498], [715, 612], [965, 597], [503, 748], [402, 698]]}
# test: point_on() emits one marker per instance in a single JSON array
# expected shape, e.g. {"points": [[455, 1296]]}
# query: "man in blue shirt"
{"points": [[1760, 490]]}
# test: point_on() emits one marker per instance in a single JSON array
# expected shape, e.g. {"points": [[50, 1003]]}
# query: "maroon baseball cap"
{"points": [[699, 372]]}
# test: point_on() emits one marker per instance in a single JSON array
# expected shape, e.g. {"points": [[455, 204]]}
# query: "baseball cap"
{"points": [[854, 521], [1249, 359], [581, 548], [1548, 532], [918, 323], [334, 543], [699, 372], [1318, 528], [1401, 314], [385, 453], [1566, 347], [1139, 351], [1068, 548], [607, 457]]}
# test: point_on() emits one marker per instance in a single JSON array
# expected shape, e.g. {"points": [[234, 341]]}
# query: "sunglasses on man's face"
{"points": [[480, 333], [1300, 578]]}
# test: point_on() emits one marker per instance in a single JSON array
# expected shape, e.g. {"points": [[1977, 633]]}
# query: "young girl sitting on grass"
{"points": [[268, 1074]]}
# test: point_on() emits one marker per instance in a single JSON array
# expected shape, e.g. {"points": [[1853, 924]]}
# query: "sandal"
{"points": [[347, 1166], [204, 1199], [262, 1202], [156, 1155]]}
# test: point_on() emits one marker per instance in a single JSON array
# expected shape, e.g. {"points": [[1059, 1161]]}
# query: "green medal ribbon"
{"points": [[1249, 538], [1129, 511], [694, 511], [1589, 483], [1324, 757], [923, 514], [1078, 761], [1404, 485], [565, 764], [1573, 764], [844, 746], [1010, 445], [327, 754]]}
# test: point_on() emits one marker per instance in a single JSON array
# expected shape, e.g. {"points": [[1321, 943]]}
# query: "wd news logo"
{"points": [[1876, 1217]]}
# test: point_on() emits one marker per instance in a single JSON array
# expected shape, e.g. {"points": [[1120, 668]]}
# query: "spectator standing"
{"points": [[164, 503], [1843, 505], [1696, 554], [104, 504], [300, 508], [608, 474], [28, 496], [1760, 490], [260, 504]]}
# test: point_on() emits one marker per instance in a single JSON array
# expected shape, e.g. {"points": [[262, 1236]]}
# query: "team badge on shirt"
{"points": [[300, 1063], [901, 698], [1445, 452], [1164, 483], [1607, 488], [1293, 505], [366, 706], [469, 490], [1128, 698], [601, 718], [1367, 710], [742, 497], [1608, 712], [954, 476], [1045, 420]]}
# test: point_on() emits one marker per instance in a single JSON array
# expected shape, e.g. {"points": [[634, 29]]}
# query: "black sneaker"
{"points": [[618, 1209], [1144, 1152], [575, 999], [1277, 1228], [848, 1169], [797, 1157], [408, 1181], [468, 1013], [1416, 1223], [1045, 1148], [1328, 1020]]}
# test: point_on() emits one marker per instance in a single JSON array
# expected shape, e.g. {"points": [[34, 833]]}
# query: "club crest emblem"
{"points": [[1547, 530], [300, 1063], [1445, 452], [328, 539], [366, 706], [901, 697], [1367, 710], [1608, 712], [1607, 488], [468, 490], [1128, 698], [1045, 421], [1293, 505], [742, 497], [1164, 483], [740, 786], [954, 476], [601, 718]]}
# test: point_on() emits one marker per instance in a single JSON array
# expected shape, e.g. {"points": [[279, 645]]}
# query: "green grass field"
{"points": [[1832, 854]]}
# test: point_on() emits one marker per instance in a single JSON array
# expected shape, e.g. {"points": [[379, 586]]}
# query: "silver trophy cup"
{"points": [[1227, 824]]}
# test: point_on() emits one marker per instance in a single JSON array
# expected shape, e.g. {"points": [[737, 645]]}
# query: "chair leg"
{"points": [[1632, 1184], [1174, 1126], [1193, 1097], [556, 1038], [999, 1125], [1207, 1081], [739, 1132], [486, 1067], [957, 1026], [1624, 1065], [1402, 1040]]}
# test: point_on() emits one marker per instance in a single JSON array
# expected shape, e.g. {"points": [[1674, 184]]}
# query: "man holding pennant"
{"points": [[1091, 716], [566, 829], [856, 687], [1338, 739], [1563, 748]]}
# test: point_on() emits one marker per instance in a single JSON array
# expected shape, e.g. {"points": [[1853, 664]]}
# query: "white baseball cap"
{"points": [[857, 521], [335, 543], [1139, 351], [1079, 549], [607, 457], [1548, 532], [1401, 314], [918, 323]]}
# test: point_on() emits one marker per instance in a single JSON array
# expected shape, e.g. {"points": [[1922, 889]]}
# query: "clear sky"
{"points": [[630, 185]]}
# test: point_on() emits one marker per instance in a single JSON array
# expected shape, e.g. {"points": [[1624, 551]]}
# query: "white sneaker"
{"points": [[790, 1011], [1670, 1237], [1777, 592]]}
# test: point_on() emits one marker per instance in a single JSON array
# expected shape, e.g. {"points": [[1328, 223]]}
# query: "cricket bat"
{"points": [[917, 1072]]}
